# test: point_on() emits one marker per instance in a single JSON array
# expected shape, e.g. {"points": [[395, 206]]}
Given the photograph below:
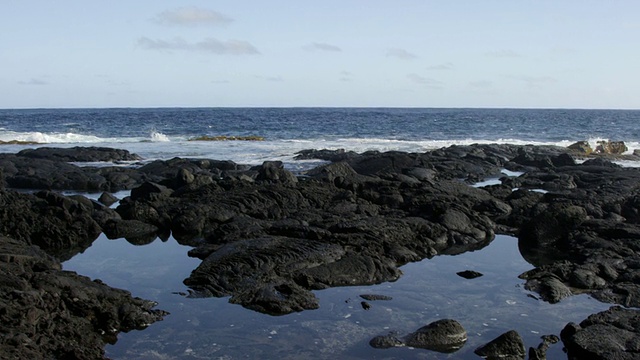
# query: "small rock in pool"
{"points": [[365, 305], [469, 274]]}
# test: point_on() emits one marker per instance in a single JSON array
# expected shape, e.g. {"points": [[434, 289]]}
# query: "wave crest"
{"points": [[157, 136], [43, 138]]}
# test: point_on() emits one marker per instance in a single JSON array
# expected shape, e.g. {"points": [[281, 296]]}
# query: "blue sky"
{"points": [[419, 53]]}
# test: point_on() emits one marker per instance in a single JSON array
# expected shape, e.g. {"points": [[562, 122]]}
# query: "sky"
{"points": [[346, 53]]}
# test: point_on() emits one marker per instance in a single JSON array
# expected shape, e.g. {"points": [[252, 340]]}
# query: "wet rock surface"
{"points": [[80, 154], [263, 229], [267, 237], [444, 336], [508, 346], [47, 313], [611, 334]]}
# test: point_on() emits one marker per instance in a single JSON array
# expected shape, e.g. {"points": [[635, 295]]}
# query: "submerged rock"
{"points": [[375, 297]]}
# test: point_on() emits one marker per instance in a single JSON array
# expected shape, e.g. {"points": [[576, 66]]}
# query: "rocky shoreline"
{"points": [[268, 237]]}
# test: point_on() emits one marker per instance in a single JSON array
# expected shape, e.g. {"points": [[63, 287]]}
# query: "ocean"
{"points": [[429, 290], [164, 133]]}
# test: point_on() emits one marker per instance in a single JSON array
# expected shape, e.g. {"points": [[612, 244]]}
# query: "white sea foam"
{"points": [[160, 146], [157, 136], [50, 138]]}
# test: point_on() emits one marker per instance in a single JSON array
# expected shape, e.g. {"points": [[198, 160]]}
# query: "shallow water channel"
{"points": [[429, 290]]}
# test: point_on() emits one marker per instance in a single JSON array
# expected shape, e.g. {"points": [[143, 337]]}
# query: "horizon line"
{"points": [[319, 107]]}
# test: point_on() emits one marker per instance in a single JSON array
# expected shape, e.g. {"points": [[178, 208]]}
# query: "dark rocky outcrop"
{"points": [[60, 225], [611, 334], [80, 154], [47, 313], [268, 238], [377, 211], [335, 227], [24, 172]]}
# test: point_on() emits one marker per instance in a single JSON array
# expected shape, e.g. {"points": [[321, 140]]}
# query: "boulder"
{"points": [[581, 148], [150, 191], [444, 336], [611, 147], [508, 346], [108, 199], [274, 171]]}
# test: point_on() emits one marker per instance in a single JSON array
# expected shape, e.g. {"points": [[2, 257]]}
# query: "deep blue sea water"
{"points": [[429, 290]]}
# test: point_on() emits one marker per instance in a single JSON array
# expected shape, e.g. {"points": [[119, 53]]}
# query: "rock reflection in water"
{"points": [[428, 291]]}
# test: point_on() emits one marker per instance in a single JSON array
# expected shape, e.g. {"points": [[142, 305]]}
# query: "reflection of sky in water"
{"points": [[429, 290]]}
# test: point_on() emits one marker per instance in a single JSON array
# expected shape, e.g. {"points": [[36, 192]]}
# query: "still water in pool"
{"points": [[429, 290]]}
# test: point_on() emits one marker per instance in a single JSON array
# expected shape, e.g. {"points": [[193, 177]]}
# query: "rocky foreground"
{"points": [[268, 237]]}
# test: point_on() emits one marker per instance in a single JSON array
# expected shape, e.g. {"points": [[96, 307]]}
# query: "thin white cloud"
{"points": [[400, 54], [209, 45], [323, 47], [503, 54], [421, 80], [192, 16], [33, 81], [220, 81], [443, 66]]}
